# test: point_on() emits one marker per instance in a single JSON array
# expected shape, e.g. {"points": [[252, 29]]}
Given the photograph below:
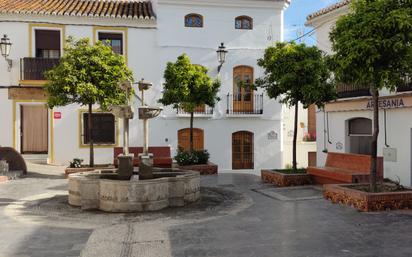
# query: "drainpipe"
{"points": [[384, 117]]}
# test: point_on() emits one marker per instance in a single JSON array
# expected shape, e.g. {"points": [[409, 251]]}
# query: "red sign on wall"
{"points": [[57, 115]]}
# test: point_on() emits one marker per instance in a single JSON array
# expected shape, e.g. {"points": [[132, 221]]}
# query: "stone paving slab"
{"points": [[239, 216]]}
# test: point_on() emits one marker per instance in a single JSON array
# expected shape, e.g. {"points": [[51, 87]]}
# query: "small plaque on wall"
{"points": [[390, 154]]}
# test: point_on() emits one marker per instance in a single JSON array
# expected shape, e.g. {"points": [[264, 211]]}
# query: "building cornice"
{"points": [[79, 21], [332, 10], [279, 4]]}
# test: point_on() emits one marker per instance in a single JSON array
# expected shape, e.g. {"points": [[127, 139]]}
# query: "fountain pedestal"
{"points": [[125, 169], [145, 166]]}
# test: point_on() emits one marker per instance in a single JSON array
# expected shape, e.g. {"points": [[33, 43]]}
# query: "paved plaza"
{"points": [[237, 216]]}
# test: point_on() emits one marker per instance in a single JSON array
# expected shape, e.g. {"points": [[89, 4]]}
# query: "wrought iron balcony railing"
{"points": [[201, 110], [346, 91], [34, 68], [407, 86], [244, 104]]}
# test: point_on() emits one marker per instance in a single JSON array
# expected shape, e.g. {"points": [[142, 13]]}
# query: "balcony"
{"points": [[347, 91], [33, 69], [407, 86], [199, 111], [244, 104]]}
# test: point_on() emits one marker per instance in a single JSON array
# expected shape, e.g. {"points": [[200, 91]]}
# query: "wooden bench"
{"points": [[345, 168], [161, 155]]}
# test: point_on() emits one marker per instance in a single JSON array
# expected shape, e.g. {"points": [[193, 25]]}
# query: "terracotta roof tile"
{"points": [[126, 9], [328, 9]]}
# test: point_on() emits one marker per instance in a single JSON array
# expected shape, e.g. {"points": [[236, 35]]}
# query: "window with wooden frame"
{"points": [[244, 22], [47, 43], [115, 40], [103, 128], [194, 20]]}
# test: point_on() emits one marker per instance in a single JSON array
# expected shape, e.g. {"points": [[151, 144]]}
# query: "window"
{"points": [[47, 43], [115, 40], [104, 128], [243, 22], [194, 20]]}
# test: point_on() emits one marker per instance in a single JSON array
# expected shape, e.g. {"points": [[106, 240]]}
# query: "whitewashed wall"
{"points": [[149, 49]]}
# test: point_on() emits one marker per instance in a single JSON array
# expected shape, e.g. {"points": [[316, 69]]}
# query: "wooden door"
{"points": [[242, 150], [242, 93], [183, 138], [34, 129]]}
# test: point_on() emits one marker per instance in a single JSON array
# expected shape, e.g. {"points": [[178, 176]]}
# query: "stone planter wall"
{"points": [[368, 202], [203, 169], [285, 180]]}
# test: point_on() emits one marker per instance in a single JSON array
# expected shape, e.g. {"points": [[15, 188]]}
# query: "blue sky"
{"points": [[295, 17]]}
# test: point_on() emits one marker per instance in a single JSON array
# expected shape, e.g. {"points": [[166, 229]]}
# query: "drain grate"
{"points": [[300, 193]]}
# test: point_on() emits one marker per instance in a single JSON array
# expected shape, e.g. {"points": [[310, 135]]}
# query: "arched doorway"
{"points": [[360, 135], [242, 150], [183, 139]]}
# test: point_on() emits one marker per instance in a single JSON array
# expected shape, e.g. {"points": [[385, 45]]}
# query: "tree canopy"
{"points": [[372, 44], [373, 49], [188, 86], [296, 73], [87, 74]]}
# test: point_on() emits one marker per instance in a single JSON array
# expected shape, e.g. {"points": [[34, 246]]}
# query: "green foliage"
{"points": [[188, 86], [372, 44], [87, 74], [76, 163], [192, 157], [296, 73]]}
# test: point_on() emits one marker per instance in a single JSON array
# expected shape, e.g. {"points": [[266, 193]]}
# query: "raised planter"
{"points": [[285, 180], [368, 202], [69, 170], [203, 169]]}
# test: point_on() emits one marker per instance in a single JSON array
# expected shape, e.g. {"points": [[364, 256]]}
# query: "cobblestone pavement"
{"points": [[237, 216]]}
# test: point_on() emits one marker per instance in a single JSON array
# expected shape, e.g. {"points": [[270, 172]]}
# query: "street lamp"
{"points": [[5, 47], [221, 55]]}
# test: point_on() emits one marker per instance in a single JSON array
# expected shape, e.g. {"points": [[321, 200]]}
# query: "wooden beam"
{"points": [[27, 93]]}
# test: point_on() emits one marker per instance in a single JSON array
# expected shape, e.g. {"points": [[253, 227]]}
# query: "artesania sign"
{"points": [[367, 104], [387, 103]]}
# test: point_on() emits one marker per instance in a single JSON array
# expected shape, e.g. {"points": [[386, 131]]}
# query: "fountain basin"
{"points": [[169, 188]]}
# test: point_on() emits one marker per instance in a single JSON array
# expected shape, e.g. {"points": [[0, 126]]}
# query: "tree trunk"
{"points": [[191, 132], [374, 152], [295, 135], [90, 125]]}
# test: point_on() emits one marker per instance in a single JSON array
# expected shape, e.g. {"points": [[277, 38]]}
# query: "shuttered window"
{"points": [[115, 40], [104, 128], [47, 43]]}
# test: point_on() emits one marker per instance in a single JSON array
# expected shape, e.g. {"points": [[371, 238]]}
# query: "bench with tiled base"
{"points": [[345, 168]]}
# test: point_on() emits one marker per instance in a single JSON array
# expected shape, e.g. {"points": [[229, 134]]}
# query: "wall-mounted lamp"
{"points": [[5, 47], [221, 55]]}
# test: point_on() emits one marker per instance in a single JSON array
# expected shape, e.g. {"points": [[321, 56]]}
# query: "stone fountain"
{"points": [[126, 190]]}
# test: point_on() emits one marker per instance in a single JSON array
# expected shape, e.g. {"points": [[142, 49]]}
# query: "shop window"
{"points": [[103, 128]]}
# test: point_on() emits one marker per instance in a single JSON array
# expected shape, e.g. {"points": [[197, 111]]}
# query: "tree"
{"points": [[87, 75], [188, 86], [296, 74], [372, 47]]}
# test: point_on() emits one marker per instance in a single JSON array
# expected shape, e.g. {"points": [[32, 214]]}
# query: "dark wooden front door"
{"points": [[34, 129], [183, 138], [242, 150]]}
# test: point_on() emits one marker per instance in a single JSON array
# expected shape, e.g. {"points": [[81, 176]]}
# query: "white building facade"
{"points": [[244, 130], [346, 124]]}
